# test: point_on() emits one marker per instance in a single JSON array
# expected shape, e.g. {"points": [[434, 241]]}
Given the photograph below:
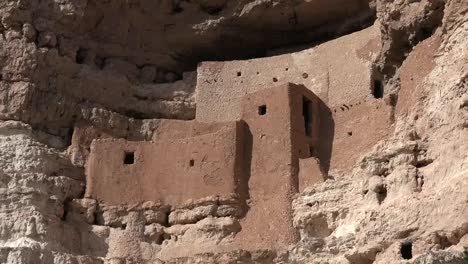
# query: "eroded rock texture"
{"points": [[75, 70]]}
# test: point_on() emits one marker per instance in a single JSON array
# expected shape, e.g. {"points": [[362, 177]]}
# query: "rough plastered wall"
{"points": [[409, 190], [223, 160], [272, 179], [341, 72], [338, 71], [170, 172]]}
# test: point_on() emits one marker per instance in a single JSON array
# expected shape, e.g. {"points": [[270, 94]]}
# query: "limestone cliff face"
{"points": [[74, 70]]}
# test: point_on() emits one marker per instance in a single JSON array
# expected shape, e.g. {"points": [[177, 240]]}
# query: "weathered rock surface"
{"points": [[94, 68]]}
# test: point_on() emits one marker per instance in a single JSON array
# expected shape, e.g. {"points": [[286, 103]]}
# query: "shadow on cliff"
{"points": [[326, 137], [244, 174]]}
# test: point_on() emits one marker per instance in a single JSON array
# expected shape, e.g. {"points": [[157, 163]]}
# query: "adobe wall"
{"points": [[358, 127], [170, 171], [339, 72], [413, 71], [274, 122], [311, 135], [169, 129], [140, 130], [271, 184], [190, 160]]}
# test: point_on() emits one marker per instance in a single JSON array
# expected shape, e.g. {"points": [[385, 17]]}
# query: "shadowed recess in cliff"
{"points": [[231, 30]]}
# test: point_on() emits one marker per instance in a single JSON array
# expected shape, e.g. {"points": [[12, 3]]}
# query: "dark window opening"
{"points": [[192, 163], [262, 110], [176, 9], [239, 74], [275, 79], [307, 113], [406, 250], [81, 55], [378, 90], [129, 158]]}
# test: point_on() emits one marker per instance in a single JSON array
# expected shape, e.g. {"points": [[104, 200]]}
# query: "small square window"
{"points": [[262, 110], [192, 163], [129, 158]]}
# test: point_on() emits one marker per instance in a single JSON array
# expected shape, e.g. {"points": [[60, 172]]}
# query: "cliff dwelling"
{"points": [[229, 160], [255, 148], [233, 132]]}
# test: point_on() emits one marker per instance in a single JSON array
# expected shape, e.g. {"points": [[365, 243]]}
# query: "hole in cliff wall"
{"points": [[69, 136], [129, 157], [176, 8], [377, 89], [81, 55], [192, 163], [382, 194], [305, 75], [275, 79], [262, 110], [239, 74], [66, 208], [423, 163], [307, 113], [136, 114], [212, 10], [406, 250]]}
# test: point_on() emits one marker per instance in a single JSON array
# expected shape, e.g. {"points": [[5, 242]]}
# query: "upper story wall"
{"points": [[338, 71], [170, 171]]}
